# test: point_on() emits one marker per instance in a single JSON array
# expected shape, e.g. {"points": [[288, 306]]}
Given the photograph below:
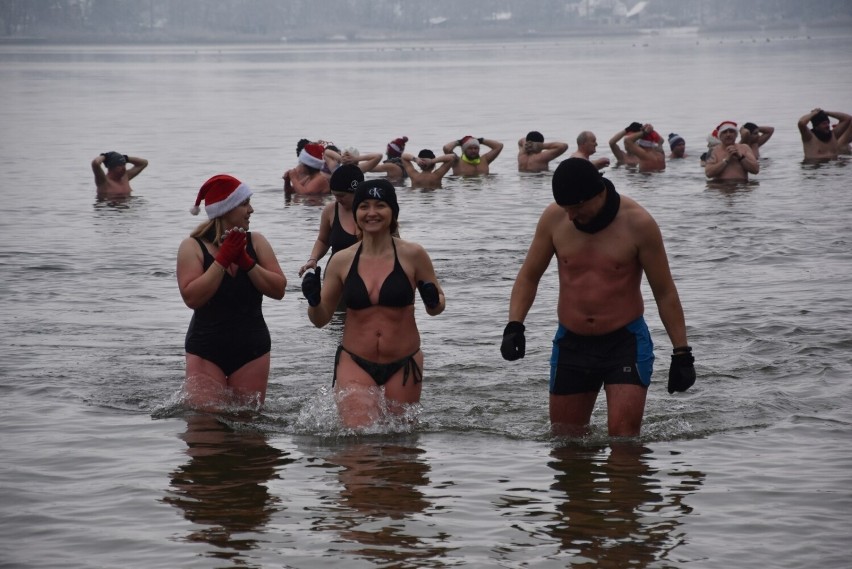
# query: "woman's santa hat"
{"points": [[311, 155], [220, 194]]}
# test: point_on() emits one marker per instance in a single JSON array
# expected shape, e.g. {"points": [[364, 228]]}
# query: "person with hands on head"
{"points": [[624, 157], [729, 161], [471, 162], [604, 242], [428, 177], [337, 224], [755, 136], [821, 142], [223, 272], [378, 362], [647, 146], [534, 154], [334, 159], [115, 182]]}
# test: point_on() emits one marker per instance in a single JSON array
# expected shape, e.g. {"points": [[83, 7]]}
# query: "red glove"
{"points": [[244, 260], [229, 250]]}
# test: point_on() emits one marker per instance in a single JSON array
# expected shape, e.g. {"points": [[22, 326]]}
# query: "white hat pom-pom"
{"points": [[194, 210]]}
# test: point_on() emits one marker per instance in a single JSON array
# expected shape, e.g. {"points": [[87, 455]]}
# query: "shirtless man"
{"points": [[307, 177], [604, 243], [534, 154], [470, 163], [820, 142], [428, 176], [647, 146], [755, 136], [587, 144], [624, 157], [729, 160], [115, 182]]}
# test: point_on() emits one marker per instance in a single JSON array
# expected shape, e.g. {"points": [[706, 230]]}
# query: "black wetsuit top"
{"points": [[396, 291]]}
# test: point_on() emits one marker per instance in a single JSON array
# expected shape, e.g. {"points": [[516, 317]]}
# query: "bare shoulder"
{"points": [[410, 249], [637, 217]]}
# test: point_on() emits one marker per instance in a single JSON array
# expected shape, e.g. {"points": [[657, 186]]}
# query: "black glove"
{"points": [[514, 344], [634, 127], [312, 286], [682, 370], [429, 294], [480, 140], [125, 158]]}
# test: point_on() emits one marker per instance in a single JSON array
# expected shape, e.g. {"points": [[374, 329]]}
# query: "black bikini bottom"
{"points": [[381, 373]]}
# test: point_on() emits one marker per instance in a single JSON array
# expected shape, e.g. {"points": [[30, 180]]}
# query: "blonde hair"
{"points": [[211, 231]]}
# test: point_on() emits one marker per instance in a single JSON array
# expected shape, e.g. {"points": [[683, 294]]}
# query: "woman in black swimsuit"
{"points": [[379, 361], [223, 273], [337, 224]]}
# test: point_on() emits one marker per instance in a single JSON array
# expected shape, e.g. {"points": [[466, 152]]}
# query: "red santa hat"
{"points": [[467, 141], [311, 155], [726, 125], [220, 194], [397, 146]]}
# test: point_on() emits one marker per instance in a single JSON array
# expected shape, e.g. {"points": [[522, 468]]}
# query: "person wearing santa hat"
{"points": [[471, 162], [115, 182], [729, 161], [223, 272], [647, 146], [307, 177]]}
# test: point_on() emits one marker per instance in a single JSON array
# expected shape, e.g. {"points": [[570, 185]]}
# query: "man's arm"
{"points": [[844, 121], [630, 143], [613, 145], [448, 147], [747, 159], [97, 169], [655, 264], [446, 161], [553, 150], [495, 146], [536, 262], [764, 133], [139, 164], [803, 125]]}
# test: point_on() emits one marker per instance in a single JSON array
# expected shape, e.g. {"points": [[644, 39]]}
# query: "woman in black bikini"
{"points": [[379, 356], [223, 272]]}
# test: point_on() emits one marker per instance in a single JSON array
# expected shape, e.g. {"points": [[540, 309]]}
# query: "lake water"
{"points": [[101, 466]]}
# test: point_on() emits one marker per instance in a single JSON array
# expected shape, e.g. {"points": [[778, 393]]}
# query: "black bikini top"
{"points": [[396, 291]]}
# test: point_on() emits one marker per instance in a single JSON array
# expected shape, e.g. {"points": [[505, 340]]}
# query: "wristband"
{"points": [[682, 350]]}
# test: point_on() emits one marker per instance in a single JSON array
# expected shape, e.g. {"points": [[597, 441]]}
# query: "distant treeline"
{"points": [[263, 20]]}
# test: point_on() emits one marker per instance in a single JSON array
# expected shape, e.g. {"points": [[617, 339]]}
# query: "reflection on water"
{"points": [[615, 510], [222, 487], [381, 487]]}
